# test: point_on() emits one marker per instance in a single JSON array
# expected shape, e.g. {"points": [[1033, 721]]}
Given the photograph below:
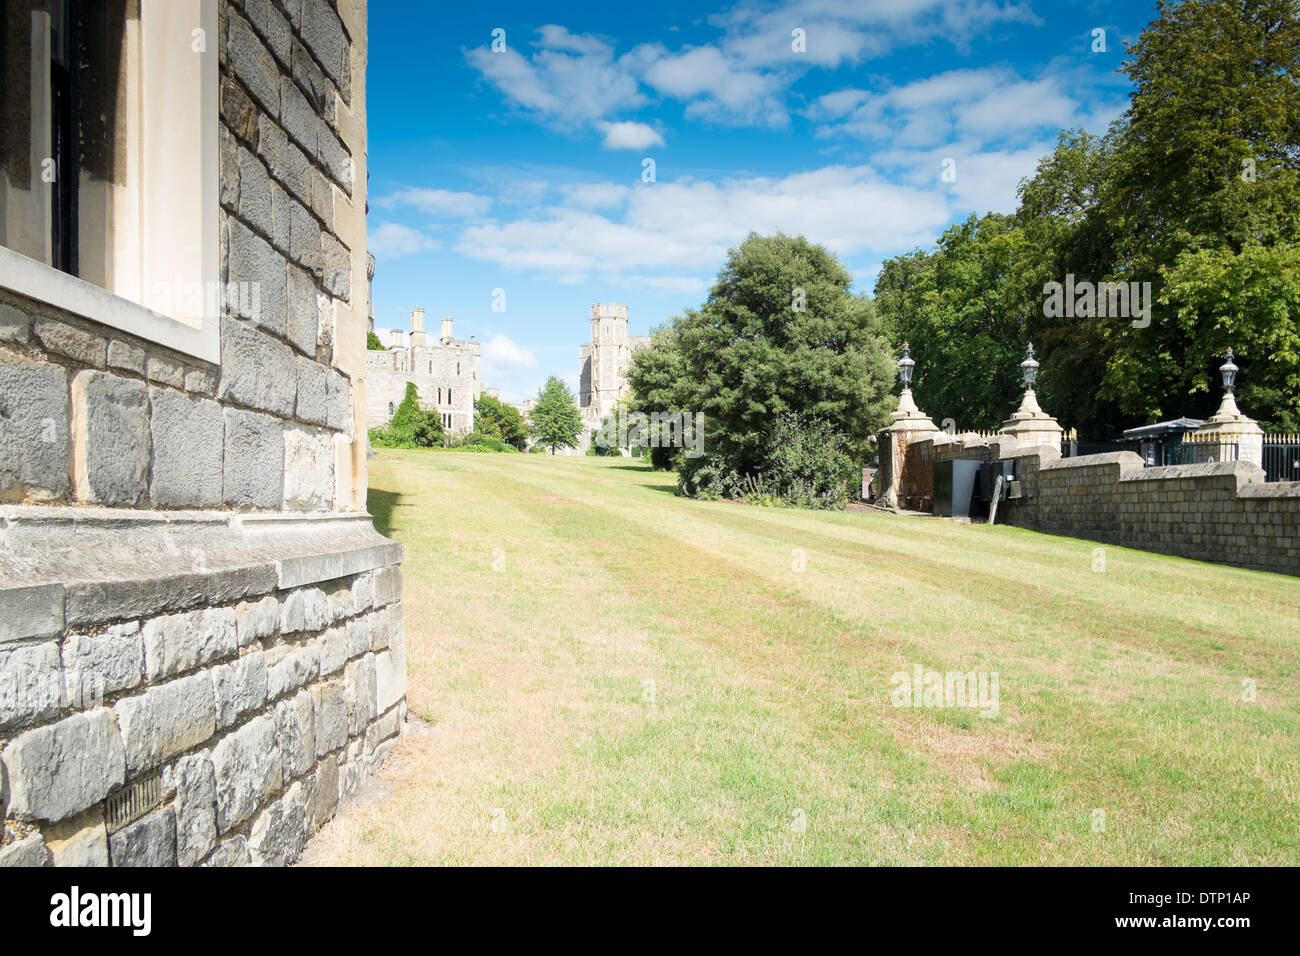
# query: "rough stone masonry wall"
{"points": [[104, 418], [253, 693], [191, 595], [1222, 512]]}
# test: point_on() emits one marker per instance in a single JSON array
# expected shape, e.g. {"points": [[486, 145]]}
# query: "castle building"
{"points": [[602, 365], [445, 373]]}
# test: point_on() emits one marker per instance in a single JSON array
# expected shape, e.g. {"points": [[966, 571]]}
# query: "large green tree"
{"points": [[554, 420], [1193, 191], [1204, 188], [781, 332]]}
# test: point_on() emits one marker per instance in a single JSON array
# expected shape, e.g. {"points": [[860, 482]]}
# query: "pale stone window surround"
{"points": [[169, 241]]}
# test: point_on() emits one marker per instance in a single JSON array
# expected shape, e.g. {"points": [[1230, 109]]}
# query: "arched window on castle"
{"points": [[430, 367], [448, 396], [458, 369], [439, 395], [391, 409]]}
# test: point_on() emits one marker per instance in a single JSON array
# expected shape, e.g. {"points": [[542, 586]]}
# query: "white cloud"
{"points": [[629, 135], [501, 358], [570, 82], [991, 105], [575, 81], [676, 233], [596, 195], [438, 202], [392, 240]]}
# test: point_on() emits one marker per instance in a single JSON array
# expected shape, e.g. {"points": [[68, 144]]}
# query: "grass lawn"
{"points": [[613, 674]]}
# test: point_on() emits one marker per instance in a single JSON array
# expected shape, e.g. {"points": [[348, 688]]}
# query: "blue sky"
{"points": [[521, 169]]}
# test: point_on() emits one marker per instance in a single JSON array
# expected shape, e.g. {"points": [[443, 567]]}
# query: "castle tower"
{"points": [[446, 329], [610, 354], [417, 329]]}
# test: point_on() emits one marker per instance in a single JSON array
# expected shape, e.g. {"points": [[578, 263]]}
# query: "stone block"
{"points": [[322, 31], [295, 726], [31, 683], [257, 621], [196, 813], [252, 63], [188, 443], [31, 611], [309, 76], [256, 370], [388, 585], [330, 699], [308, 469], [358, 636], [102, 663], [26, 852], [258, 289], [253, 468], [312, 404], [240, 688], [254, 206], [305, 609], [390, 678], [338, 268], [359, 691], [165, 371], [304, 311], [110, 438], [340, 603], [33, 441], [333, 650], [79, 841], [339, 412], [75, 343], [150, 841], [273, 27], [14, 324], [166, 719], [363, 592], [248, 770], [299, 118], [60, 769], [175, 643], [305, 236], [125, 356], [232, 852], [279, 834], [324, 793], [291, 667]]}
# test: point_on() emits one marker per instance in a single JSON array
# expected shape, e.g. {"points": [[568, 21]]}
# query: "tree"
{"points": [[372, 342], [556, 422], [494, 418], [780, 332], [1206, 174], [411, 426], [965, 311], [1192, 191]]}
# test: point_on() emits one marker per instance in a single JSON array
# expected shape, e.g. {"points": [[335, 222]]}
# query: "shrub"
{"points": [[806, 463]]}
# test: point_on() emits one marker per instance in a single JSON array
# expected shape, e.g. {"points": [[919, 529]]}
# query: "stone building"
{"points": [[201, 638], [602, 365], [445, 373], [602, 368]]}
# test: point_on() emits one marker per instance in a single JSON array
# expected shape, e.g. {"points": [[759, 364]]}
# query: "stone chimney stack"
{"points": [[417, 329], [396, 339], [446, 329]]}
